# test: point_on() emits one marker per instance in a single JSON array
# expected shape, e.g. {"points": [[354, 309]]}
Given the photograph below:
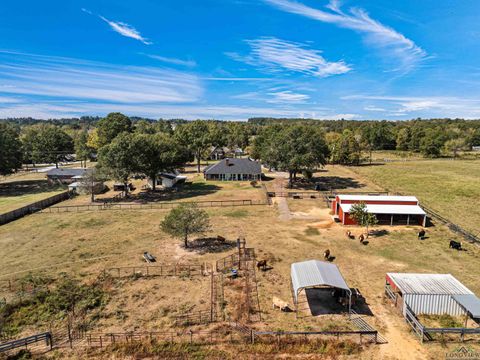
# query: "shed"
{"points": [[234, 169], [168, 180], [402, 210], [430, 294], [65, 175], [315, 273]]}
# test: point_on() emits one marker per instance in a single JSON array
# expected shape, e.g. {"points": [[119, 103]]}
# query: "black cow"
{"points": [[455, 245], [421, 234]]}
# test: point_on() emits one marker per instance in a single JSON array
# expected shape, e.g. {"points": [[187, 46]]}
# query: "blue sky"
{"points": [[235, 59]]}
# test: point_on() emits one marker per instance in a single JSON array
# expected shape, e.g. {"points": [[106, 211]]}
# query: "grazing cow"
{"points": [[220, 239], [421, 234], [361, 238], [455, 245], [262, 264], [282, 305], [326, 254], [350, 235]]}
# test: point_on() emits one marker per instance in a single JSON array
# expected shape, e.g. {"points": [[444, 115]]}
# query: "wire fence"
{"points": [[151, 206]]}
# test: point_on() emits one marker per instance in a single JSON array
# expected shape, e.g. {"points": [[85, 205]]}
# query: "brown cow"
{"points": [[326, 254], [262, 264], [361, 238]]}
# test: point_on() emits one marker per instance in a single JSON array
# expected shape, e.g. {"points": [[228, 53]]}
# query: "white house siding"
{"points": [[432, 304]]}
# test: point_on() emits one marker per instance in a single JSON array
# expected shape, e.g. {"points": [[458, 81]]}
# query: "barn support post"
{"points": [[408, 219], [391, 220], [350, 304]]}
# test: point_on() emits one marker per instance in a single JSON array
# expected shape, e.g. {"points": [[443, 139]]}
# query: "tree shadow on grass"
{"points": [[210, 245], [27, 187], [337, 183], [187, 191], [327, 183]]}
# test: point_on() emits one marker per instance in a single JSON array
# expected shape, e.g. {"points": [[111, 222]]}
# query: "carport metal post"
{"points": [[350, 303]]}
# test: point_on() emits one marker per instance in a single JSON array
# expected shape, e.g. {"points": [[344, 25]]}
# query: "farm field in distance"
{"points": [[85, 243], [24, 189], [450, 187]]}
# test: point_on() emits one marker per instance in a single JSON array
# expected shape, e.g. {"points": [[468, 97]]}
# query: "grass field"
{"points": [[452, 188], [25, 189], [84, 243]]}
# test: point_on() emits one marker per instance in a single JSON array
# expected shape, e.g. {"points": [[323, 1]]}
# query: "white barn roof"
{"points": [[388, 209], [428, 284], [377, 198], [312, 273]]}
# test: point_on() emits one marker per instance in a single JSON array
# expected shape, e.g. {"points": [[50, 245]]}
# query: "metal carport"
{"points": [[315, 273], [470, 303]]}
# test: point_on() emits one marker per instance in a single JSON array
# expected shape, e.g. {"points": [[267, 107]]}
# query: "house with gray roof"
{"points": [[234, 170]]}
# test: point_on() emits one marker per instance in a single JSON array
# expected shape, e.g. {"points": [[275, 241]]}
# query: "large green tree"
{"points": [[117, 159], [196, 136], [346, 148], [185, 220], [10, 149], [111, 126], [155, 153], [82, 151], [51, 145], [294, 148]]}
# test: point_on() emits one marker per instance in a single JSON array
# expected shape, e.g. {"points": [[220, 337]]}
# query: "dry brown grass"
{"points": [[42, 240]]}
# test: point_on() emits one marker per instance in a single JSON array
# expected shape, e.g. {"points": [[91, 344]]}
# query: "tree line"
{"points": [[125, 146]]}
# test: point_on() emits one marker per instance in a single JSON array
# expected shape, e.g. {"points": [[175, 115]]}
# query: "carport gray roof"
{"points": [[471, 303], [66, 172], [235, 166], [311, 273]]}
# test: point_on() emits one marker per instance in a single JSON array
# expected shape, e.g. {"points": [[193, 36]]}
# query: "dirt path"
{"points": [[400, 344], [282, 204]]}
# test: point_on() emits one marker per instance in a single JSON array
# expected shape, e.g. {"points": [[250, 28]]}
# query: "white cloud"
{"points": [[75, 79], [187, 63], [122, 28], [288, 97], [276, 55], [441, 106], [375, 33], [373, 108]]}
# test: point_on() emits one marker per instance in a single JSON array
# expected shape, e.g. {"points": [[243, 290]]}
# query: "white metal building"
{"points": [[430, 294], [314, 273]]}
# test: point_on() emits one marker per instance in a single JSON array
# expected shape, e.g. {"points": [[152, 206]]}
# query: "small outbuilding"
{"points": [[318, 274], [168, 180], [431, 294], [65, 175], [389, 210], [233, 169]]}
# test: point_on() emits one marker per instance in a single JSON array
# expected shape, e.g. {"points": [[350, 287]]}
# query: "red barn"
{"points": [[391, 210]]}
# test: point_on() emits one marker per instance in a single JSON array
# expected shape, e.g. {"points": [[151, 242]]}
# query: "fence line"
{"points": [[452, 226], [21, 290], [25, 342], [34, 207], [151, 206], [160, 270]]}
